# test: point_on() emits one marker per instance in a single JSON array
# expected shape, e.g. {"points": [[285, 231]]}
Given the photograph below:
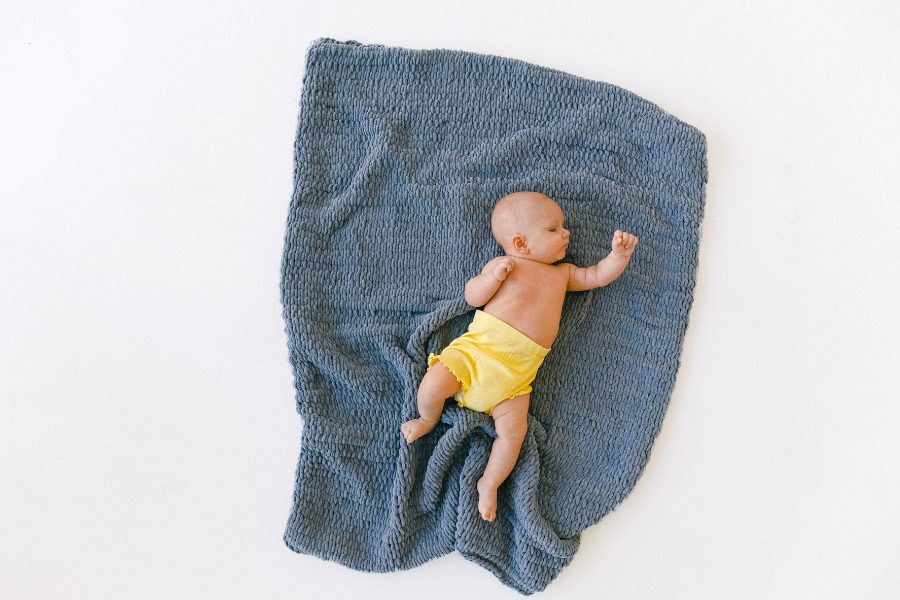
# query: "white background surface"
{"points": [[148, 437]]}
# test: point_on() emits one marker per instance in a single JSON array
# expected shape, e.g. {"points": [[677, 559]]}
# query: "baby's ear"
{"points": [[519, 242]]}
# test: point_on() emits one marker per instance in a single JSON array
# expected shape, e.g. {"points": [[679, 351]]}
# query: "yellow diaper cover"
{"points": [[493, 361]]}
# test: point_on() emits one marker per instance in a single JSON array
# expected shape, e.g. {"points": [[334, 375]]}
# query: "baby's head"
{"points": [[530, 225]]}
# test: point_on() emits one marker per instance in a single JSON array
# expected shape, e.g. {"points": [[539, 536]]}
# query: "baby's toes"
{"points": [[412, 430]]}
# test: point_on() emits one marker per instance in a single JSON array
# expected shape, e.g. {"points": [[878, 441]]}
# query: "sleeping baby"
{"points": [[490, 367]]}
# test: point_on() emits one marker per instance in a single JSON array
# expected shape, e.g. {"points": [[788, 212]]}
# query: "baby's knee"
{"points": [[512, 426]]}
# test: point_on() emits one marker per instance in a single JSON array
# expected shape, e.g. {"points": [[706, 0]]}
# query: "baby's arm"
{"points": [[482, 288], [607, 270]]}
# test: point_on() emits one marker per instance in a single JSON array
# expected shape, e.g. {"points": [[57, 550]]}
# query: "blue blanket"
{"points": [[399, 157]]}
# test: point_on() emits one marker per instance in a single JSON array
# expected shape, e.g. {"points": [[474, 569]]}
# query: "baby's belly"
{"points": [[540, 324]]}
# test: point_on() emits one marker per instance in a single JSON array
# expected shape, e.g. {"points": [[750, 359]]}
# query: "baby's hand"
{"points": [[623, 243], [504, 267]]}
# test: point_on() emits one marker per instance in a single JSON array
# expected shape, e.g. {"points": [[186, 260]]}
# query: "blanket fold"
{"points": [[399, 157]]}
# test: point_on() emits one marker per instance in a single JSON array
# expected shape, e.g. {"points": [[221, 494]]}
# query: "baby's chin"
{"points": [[553, 258], [547, 260]]}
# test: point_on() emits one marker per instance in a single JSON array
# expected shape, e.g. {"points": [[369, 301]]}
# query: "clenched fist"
{"points": [[504, 267], [623, 243]]}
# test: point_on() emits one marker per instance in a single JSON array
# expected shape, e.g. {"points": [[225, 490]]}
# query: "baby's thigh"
{"points": [[511, 415], [439, 381]]}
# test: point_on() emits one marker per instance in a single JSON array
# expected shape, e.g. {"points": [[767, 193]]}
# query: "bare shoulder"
{"points": [[571, 274], [568, 268]]}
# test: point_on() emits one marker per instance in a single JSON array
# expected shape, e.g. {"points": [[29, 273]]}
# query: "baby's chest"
{"points": [[543, 283]]}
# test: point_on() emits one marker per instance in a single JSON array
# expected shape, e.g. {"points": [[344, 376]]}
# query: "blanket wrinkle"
{"points": [[399, 157]]}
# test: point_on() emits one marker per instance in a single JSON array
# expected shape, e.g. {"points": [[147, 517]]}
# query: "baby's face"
{"points": [[546, 236]]}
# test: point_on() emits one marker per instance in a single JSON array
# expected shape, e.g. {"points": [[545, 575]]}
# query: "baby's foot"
{"points": [[416, 428], [487, 500]]}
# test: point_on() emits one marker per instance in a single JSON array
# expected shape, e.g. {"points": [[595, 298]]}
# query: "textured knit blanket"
{"points": [[400, 155]]}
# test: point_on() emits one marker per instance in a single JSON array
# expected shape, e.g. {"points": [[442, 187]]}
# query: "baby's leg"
{"points": [[511, 423], [437, 385]]}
